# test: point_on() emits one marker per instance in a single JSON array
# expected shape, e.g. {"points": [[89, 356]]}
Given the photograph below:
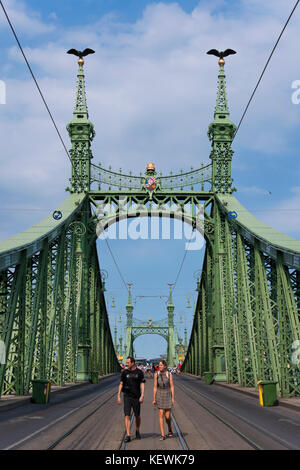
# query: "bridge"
{"points": [[53, 315]]}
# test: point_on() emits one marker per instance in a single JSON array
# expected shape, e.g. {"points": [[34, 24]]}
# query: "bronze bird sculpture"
{"points": [[221, 54], [81, 54]]}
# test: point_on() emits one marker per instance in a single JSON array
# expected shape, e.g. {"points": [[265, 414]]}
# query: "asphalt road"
{"points": [[198, 410]]}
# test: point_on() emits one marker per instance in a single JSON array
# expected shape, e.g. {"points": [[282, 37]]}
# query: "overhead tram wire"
{"points": [[116, 264], [265, 67], [179, 271], [183, 259], [35, 81]]}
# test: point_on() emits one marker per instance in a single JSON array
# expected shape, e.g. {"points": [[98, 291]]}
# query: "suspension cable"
{"points": [[179, 271], [35, 81], [265, 67], [116, 264], [183, 259]]}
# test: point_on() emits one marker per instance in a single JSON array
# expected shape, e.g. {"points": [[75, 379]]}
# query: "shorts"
{"points": [[131, 402]]}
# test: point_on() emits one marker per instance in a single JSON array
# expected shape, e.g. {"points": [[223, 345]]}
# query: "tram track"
{"points": [[123, 443], [257, 437], [180, 436], [62, 441], [75, 426], [35, 435], [251, 442]]}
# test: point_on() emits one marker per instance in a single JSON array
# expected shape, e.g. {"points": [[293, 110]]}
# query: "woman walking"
{"points": [[163, 397]]}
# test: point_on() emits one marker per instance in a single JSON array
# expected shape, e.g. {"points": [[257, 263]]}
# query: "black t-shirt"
{"points": [[132, 380]]}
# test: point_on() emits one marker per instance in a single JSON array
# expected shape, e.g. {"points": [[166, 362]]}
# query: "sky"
{"points": [[151, 93]]}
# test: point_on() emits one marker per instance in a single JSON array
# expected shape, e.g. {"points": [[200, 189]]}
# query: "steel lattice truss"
{"points": [[247, 314], [47, 320], [154, 330]]}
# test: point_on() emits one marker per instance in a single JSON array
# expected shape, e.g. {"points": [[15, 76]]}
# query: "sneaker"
{"points": [[127, 439], [137, 435]]}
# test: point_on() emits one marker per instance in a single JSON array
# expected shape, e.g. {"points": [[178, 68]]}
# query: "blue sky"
{"points": [[151, 92]]}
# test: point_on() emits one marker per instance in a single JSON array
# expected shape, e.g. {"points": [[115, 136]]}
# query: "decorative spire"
{"points": [[129, 302], [80, 104], [170, 301], [81, 132], [221, 132], [221, 103], [185, 338], [115, 334]]}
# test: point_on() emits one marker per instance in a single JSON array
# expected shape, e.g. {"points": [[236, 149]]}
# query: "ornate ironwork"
{"points": [[112, 180]]}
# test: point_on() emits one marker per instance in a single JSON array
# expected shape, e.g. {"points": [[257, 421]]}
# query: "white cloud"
{"points": [[151, 90], [24, 19], [285, 216], [253, 190]]}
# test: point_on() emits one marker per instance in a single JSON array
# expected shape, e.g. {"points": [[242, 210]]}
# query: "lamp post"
{"points": [[120, 348], [115, 335], [111, 296], [197, 275], [185, 336], [104, 276]]}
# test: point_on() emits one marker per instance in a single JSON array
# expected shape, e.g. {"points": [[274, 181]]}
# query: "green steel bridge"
{"points": [[53, 316]]}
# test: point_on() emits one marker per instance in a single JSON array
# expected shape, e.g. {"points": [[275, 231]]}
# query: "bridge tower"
{"points": [[81, 132], [220, 132]]}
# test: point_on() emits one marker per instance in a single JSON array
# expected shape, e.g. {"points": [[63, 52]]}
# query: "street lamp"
{"points": [[104, 276], [190, 296], [111, 296], [197, 275]]}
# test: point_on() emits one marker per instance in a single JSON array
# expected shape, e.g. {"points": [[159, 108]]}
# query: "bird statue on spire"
{"points": [[81, 54], [221, 54]]}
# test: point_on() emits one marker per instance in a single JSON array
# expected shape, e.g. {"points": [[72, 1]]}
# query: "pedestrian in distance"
{"points": [[163, 397], [132, 384]]}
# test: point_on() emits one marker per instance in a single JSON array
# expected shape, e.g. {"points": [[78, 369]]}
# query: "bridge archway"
{"points": [[197, 217], [142, 345]]}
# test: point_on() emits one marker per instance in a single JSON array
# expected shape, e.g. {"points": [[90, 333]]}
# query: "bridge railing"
{"points": [[194, 179]]}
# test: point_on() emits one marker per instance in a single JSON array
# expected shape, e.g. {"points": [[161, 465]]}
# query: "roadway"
{"points": [[206, 417]]}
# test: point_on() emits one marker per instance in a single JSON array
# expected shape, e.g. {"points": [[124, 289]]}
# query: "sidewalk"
{"points": [[8, 402], [292, 402]]}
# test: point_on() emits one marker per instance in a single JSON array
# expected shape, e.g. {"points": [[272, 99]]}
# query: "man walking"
{"points": [[132, 385]]}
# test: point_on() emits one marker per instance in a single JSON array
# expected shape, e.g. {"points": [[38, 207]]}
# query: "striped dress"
{"points": [[163, 394]]}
